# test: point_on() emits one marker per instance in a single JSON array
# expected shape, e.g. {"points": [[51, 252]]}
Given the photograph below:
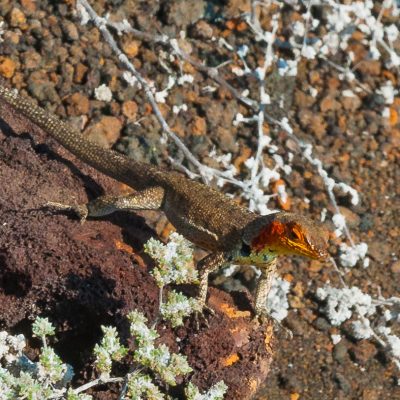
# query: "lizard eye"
{"points": [[295, 234]]}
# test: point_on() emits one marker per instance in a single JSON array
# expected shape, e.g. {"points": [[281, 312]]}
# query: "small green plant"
{"points": [[20, 378], [174, 265], [157, 358], [140, 386], [177, 307], [174, 260], [217, 392], [109, 350]]}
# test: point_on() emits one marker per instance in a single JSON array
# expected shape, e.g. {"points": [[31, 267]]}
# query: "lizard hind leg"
{"points": [[147, 199], [207, 265]]}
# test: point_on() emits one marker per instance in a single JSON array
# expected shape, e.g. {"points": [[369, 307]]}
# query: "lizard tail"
{"points": [[135, 174]]}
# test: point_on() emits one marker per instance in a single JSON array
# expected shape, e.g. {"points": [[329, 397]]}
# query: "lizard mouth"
{"points": [[313, 253], [306, 249]]}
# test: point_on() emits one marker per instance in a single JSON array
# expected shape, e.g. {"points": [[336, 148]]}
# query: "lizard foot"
{"points": [[288, 333], [263, 318], [200, 316], [79, 209]]}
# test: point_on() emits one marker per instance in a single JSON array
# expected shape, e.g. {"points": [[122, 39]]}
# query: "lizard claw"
{"points": [[80, 210]]}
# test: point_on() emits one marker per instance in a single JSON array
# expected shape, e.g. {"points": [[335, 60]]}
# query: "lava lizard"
{"points": [[204, 216]]}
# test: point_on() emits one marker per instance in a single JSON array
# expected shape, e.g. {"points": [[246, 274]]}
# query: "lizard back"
{"points": [[205, 216]]}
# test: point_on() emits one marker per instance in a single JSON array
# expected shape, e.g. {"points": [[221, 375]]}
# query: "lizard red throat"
{"points": [[206, 217]]}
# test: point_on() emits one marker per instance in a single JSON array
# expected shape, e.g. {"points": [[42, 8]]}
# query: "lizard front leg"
{"points": [[207, 265], [148, 199], [264, 284]]}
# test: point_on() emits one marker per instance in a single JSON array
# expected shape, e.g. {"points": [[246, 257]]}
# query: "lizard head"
{"points": [[283, 233]]}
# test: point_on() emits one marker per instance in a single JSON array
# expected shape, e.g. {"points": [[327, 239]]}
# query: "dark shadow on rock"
{"points": [[79, 306]]}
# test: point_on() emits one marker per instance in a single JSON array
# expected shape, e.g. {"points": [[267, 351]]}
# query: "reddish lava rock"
{"points": [[81, 277]]}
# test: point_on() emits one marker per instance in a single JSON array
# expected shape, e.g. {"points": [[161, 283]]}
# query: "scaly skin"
{"points": [[203, 215]]}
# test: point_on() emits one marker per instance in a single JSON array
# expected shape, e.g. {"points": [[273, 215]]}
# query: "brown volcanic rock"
{"points": [[85, 276]]}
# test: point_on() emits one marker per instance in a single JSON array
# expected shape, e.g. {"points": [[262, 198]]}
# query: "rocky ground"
{"points": [[50, 57]]}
